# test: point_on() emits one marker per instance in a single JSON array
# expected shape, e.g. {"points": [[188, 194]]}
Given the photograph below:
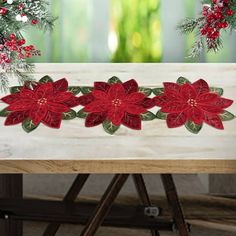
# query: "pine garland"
{"points": [[15, 16], [217, 15]]}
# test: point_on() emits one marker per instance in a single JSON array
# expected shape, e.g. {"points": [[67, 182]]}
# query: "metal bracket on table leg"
{"points": [[153, 212]]}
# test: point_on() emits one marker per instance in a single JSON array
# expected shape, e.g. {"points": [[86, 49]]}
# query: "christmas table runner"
{"points": [[115, 103]]}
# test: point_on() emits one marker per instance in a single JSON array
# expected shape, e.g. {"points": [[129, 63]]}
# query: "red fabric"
{"points": [[191, 102], [44, 103], [121, 103]]}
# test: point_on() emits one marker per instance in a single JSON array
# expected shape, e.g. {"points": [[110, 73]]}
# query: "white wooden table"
{"points": [[155, 149], [76, 149]]}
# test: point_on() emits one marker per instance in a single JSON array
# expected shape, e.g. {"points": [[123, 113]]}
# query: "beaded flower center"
{"points": [[192, 102], [116, 102], [42, 101]]}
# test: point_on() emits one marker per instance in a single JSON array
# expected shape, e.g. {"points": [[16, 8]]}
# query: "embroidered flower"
{"points": [[192, 104], [45, 102], [118, 103]]}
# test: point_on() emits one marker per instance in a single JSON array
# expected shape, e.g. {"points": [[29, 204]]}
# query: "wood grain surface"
{"points": [[155, 149]]}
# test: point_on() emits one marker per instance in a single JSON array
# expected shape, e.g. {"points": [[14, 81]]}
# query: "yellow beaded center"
{"points": [[116, 102], [42, 101], [192, 102]]}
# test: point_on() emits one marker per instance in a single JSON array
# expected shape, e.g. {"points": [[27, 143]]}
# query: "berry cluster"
{"points": [[216, 18], [17, 46], [18, 9]]}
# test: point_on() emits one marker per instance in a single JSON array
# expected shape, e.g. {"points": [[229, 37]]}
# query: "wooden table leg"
{"points": [[11, 187], [143, 195], [104, 205], [174, 203], [71, 196]]}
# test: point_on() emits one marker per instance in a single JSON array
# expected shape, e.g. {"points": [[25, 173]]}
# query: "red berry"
{"points": [[226, 24], [3, 11], [34, 22], [230, 12], [226, 1], [12, 36], [218, 15], [21, 42], [8, 60], [13, 48], [28, 54], [21, 56], [203, 31], [210, 30]]}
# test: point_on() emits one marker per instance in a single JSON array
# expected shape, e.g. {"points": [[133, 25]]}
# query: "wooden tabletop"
{"points": [[155, 149]]}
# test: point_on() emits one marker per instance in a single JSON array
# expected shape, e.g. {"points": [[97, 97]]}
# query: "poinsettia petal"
{"points": [[60, 85], [103, 86], [9, 99], [171, 87], [98, 94], [37, 113], [210, 108], [116, 91], [176, 120], [27, 93], [161, 100], [115, 116], [94, 119], [207, 97], [21, 105], [147, 103], [97, 106], [86, 99], [134, 109], [57, 107], [187, 92], [174, 107], [60, 97], [131, 86], [16, 117], [72, 102], [196, 115], [135, 97], [52, 120], [222, 102], [44, 90], [172, 91], [132, 121], [214, 121], [201, 86]]}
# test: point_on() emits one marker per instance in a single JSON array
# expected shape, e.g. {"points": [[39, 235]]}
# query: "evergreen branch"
{"points": [[189, 25]]}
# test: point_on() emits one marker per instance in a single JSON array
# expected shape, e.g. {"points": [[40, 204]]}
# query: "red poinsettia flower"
{"points": [[120, 103], [44, 103], [192, 102]]}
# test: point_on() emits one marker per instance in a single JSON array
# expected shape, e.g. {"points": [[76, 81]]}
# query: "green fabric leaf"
{"points": [[158, 91], [109, 127], [86, 90], [148, 116], [192, 127], [114, 80], [70, 115], [74, 89], [181, 80], [146, 91], [4, 112], [82, 114], [219, 91], [161, 115], [45, 79], [28, 125], [15, 89], [226, 116]]}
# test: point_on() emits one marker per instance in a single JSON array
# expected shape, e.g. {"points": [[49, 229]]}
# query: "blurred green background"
{"points": [[122, 31]]}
